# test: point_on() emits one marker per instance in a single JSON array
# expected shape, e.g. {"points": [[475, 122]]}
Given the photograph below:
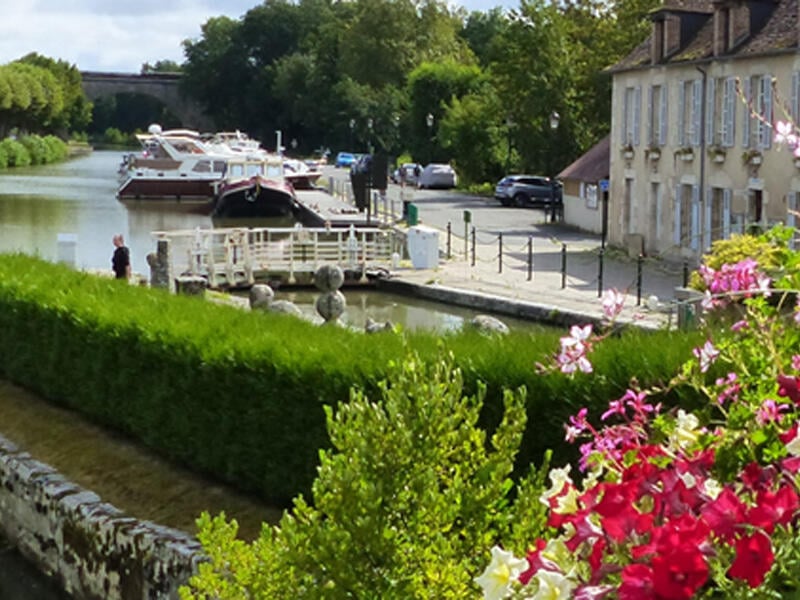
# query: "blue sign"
{"points": [[604, 185]]}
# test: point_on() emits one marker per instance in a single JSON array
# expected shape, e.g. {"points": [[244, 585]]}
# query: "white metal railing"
{"points": [[236, 256]]}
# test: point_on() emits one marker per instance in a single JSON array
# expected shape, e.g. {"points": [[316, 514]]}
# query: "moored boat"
{"points": [[255, 189]]}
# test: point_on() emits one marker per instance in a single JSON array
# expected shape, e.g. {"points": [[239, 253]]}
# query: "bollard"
{"points": [[639, 262], [500, 253], [600, 274], [473, 246], [530, 257], [563, 266], [449, 234], [685, 273]]}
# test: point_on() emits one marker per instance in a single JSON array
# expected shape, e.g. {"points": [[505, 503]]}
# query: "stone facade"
{"points": [[92, 549]]}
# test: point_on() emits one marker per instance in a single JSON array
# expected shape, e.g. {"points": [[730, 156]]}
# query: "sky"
{"points": [[120, 36]]}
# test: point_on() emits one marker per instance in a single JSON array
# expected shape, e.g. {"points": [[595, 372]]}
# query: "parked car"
{"points": [[436, 175], [345, 159], [407, 172], [527, 190]]}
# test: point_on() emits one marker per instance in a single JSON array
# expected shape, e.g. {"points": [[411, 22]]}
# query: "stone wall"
{"points": [[92, 549]]}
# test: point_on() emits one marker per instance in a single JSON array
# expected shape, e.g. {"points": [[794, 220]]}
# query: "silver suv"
{"points": [[527, 190]]}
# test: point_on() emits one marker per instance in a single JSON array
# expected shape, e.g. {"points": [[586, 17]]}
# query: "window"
{"points": [[656, 116], [758, 117], [720, 111], [689, 109], [718, 214], [631, 108], [686, 225]]}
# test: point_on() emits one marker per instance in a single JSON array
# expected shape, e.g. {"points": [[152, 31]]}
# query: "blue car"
{"points": [[345, 159]]}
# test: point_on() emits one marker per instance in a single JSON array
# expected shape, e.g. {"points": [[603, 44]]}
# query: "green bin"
{"points": [[412, 218]]}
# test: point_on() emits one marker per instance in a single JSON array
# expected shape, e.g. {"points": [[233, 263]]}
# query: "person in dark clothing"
{"points": [[121, 261]]}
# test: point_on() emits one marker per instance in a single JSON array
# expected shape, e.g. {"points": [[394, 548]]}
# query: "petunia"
{"points": [[754, 558], [503, 570]]}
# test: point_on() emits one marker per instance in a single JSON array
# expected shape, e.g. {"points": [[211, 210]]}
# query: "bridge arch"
{"points": [[163, 86]]}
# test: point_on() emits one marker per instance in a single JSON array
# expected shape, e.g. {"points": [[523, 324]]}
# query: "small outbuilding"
{"points": [[583, 194]]}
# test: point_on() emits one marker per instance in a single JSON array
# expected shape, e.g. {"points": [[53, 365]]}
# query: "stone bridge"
{"points": [[163, 86]]}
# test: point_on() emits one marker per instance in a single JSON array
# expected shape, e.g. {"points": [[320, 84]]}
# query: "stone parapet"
{"points": [[92, 549]]}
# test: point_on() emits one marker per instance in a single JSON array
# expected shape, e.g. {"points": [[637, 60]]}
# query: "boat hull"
{"points": [[256, 199], [168, 188]]}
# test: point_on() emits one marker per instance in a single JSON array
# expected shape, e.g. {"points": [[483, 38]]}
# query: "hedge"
{"points": [[240, 395]]}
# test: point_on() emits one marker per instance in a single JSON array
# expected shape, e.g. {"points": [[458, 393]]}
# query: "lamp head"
{"points": [[554, 120]]}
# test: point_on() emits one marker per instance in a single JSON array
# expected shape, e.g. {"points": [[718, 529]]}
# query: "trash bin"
{"points": [[412, 214], [423, 246]]}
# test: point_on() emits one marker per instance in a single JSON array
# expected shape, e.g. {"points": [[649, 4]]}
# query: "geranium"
{"points": [[684, 503]]}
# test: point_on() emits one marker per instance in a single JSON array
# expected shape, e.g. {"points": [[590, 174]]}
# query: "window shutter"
{"points": [[729, 113], [676, 225], [766, 128], [695, 224], [637, 113], [711, 116], [697, 108], [649, 134], [681, 113], [746, 116], [662, 117], [707, 219], [625, 111], [726, 213]]}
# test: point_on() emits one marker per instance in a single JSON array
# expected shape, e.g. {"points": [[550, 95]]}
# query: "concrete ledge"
{"points": [[92, 549]]}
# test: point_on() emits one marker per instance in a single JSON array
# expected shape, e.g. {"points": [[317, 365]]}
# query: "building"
{"points": [[693, 156], [583, 194]]}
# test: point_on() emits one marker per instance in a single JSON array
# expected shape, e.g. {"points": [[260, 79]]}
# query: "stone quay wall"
{"points": [[92, 549]]}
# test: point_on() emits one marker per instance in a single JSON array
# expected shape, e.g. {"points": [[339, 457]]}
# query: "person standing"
{"points": [[121, 261]]}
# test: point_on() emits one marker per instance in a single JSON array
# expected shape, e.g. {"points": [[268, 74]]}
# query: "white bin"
{"points": [[423, 247]]}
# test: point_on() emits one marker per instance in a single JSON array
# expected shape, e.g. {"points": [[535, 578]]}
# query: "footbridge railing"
{"points": [[238, 257]]}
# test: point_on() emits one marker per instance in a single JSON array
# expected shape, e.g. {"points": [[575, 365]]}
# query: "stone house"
{"points": [[583, 194], [693, 156]]}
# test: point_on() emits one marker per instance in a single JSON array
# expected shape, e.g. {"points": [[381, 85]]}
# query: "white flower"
{"points": [[504, 569], [685, 433], [613, 302], [552, 586], [712, 488], [558, 479], [688, 479]]}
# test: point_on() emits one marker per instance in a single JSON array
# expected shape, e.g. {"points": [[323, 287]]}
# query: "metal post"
{"points": [[639, 263], [685, 273], [600, 274], [449, 235], [473, 246], [500, 253], [530, 257], [563, 266]]}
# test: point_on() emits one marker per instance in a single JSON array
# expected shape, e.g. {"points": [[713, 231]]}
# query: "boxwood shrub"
{"points": [[240, 395]]}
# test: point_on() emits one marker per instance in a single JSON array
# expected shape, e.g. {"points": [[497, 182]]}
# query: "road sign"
{"points": [[603, 185]]}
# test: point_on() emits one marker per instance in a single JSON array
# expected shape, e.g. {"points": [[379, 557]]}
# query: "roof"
{"points": [[778, 33], [593, 165]]}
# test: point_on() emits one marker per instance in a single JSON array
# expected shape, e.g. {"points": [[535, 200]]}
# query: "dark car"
{"points": [[527, 190]]}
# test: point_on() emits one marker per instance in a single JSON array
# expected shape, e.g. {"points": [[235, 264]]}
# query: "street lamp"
{"points": [[509, 125], [554, 120], [352, 126], [369, 139], [429, 123]]}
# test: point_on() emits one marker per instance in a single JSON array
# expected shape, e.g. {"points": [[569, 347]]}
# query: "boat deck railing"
{"points": [[239, 257]]}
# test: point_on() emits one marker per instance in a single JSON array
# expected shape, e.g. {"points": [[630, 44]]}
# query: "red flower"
{"points": [[534, 560], [637, 583], [724, 514], [788, 388], [680, 573], [774, 508], [753, 560]]}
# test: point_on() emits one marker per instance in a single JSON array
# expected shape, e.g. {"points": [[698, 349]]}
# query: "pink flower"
{"points": [[770, 412], [784, 134], [707, 355], [613, 303]]}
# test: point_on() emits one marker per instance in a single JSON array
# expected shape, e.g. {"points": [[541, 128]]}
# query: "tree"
{"points": [[161, 66]]}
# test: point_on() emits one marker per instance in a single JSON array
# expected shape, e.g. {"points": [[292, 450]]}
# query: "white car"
{"points": [[436, 175]]}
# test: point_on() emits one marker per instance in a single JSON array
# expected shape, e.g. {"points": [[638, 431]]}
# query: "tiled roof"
{"points": [[593, 165], [780, 32]]}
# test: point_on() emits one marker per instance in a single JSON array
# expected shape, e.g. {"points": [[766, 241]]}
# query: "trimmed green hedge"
{"points": [[239, 395]]}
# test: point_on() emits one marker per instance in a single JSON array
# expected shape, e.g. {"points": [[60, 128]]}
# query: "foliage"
{"points": [[178, 374], [680, 504], [769, 249], [16, 154], [402, 505]]}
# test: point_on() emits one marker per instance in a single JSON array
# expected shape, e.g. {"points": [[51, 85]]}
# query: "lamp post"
{"points": [[352, 126], [369, 134], [555, 118], [429, 122], [509, 125]]}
